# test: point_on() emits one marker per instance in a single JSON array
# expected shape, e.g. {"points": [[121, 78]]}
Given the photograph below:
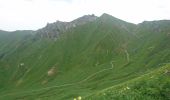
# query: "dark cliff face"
{"points": [[52, 30]]}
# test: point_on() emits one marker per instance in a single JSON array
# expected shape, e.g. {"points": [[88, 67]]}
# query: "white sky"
{"points": [[34, 14]]}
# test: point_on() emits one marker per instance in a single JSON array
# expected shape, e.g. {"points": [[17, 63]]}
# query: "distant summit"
{"points": [[52, 30]]}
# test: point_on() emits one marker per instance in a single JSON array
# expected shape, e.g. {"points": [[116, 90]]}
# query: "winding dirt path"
{"points": [[57, 86]]}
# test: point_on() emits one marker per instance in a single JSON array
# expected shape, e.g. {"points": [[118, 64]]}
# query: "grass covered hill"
{"points": [[102, 56]]}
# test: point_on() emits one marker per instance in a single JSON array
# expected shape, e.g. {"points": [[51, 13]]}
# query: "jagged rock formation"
{"points": [[52, 30]]}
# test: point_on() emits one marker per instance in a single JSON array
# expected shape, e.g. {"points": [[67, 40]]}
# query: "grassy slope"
{"points": [[9, 42], [79, 53], [155, 85]]}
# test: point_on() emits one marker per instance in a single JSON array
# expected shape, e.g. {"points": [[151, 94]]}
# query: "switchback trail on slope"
{"points": [[57, 86]]}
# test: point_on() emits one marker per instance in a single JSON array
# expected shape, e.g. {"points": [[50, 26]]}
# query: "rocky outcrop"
{"points": [[52, 30]]}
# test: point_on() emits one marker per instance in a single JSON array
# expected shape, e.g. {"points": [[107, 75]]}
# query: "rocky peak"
{"points": [[52, 30], [84, 19]]}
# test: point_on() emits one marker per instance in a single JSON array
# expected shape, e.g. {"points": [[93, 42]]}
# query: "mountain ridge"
{"points": [[96, 55], [54, 29]]}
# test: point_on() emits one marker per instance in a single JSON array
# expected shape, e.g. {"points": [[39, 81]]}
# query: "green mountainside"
{"points": [[93, 61]]}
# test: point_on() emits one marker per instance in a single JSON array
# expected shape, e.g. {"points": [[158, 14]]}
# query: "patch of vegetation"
{"points": [[152, 86]]}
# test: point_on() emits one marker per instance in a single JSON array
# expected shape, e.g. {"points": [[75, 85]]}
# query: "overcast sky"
{"points": [[34, 14]]}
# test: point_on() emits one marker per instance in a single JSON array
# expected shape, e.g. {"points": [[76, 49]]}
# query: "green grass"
{"points": [[77, 54], [154, 85]]}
